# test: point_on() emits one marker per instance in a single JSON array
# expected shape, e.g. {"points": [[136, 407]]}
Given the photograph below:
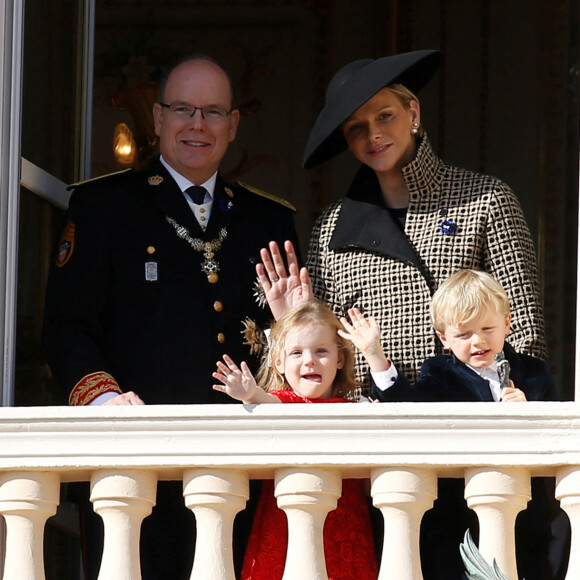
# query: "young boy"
{"points": [[471, 316]]}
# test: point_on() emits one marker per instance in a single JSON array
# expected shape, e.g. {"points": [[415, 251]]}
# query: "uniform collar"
{"points": [[169, 199], [184, 183]]}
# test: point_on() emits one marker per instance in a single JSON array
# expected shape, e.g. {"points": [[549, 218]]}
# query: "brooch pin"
{"points": [[226, 205], [253, 337], [448, 227], [259, 295], [155, 180]]}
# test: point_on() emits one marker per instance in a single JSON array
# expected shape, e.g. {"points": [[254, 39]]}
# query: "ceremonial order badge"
{"points": [[209, 266]]}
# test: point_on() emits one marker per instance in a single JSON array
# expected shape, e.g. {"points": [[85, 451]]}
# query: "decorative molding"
{"points": [[542, 437]]}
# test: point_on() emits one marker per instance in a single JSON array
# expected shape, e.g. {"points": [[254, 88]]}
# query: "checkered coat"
{"points": [[359, 255]]}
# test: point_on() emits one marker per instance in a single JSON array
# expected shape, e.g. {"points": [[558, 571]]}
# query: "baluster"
{"points": [[122, 499], [27, 500], [403, 495], [2, 546], [568, 493], [497, 496], [306, 496], [215, 496]]}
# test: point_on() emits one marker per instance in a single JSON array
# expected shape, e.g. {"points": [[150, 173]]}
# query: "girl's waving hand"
{"points": [[239, 383]]}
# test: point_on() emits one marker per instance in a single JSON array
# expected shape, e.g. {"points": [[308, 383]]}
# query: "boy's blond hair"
{"points": [[466, 295], [298, 317]]}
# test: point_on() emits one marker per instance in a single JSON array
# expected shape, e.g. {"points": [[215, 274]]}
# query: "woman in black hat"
{"points": [[409, 220]]}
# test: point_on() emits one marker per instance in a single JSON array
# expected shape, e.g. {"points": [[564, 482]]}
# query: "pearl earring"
{"points": [[415, 129]]}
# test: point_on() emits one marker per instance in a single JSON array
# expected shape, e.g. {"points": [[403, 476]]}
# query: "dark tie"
{"points": [[196, 193]]}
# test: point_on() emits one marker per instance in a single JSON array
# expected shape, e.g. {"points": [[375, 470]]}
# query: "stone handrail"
{"points": [[307, 449]]}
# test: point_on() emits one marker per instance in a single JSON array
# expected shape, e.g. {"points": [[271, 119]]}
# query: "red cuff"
{"points": [[91, 386]]}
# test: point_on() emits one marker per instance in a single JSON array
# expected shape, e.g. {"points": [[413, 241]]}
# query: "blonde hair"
{"points": [[310, 313], [465, 295], [406, 96]]}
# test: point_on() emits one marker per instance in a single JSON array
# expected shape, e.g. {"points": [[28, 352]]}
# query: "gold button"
{"points": [[202, 218], [202, 210], [218, 306], [221, 337], [150, 249]]}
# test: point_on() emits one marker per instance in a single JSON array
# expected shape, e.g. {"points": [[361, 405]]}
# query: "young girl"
{"points": [[310, 361]]}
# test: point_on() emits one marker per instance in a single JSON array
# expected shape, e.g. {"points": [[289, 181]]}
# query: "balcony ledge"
{"points": [[448, 436]]}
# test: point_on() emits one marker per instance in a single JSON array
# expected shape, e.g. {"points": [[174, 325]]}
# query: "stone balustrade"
{"points": [[307, 449]]}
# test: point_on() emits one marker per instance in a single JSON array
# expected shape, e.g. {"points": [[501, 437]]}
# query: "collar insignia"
{"points": [[155, 180]]}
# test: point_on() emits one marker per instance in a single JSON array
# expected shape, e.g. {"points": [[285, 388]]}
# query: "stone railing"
{"points": [[307, 449]]}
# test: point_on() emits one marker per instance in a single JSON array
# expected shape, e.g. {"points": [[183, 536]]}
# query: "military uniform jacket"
{"points": [[360, 256], [127, 295]]}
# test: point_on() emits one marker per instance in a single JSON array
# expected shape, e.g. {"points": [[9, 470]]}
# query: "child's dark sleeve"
{"points": [[425, 389], [399, 391], [532, 376]]}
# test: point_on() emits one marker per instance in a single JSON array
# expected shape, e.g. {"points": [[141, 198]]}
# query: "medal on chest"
{"points": [[210, 266]]}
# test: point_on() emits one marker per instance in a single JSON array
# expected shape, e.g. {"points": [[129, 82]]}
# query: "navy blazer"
{"points": [[446, 378]]}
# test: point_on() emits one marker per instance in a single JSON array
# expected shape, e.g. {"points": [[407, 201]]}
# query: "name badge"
{"points": [[151, 272]]}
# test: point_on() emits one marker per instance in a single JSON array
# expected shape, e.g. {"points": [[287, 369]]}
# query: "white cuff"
{"points": [[103, 398], [385, 379]]}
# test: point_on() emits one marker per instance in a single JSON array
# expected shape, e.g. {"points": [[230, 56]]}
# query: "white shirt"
{"points": [[201, 211], [490, 375]]}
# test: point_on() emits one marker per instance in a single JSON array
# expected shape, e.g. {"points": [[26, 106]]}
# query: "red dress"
{"points": [[348, 536]]}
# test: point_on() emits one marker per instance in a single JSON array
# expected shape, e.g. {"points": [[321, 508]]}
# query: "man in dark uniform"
{"points": [[154, 279]]}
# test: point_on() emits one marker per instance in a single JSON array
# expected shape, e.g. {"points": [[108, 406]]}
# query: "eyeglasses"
{"points": [[209, 114]]}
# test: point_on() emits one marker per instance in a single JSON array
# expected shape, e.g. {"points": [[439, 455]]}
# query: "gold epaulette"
{"points": [[267, 195], [98, 178]]}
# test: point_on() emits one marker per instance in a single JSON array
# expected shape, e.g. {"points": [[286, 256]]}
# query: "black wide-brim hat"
{"points": [[353, 85]]}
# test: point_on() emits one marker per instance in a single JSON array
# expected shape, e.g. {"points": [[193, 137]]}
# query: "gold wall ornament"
{"points": [[137, 97]]}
